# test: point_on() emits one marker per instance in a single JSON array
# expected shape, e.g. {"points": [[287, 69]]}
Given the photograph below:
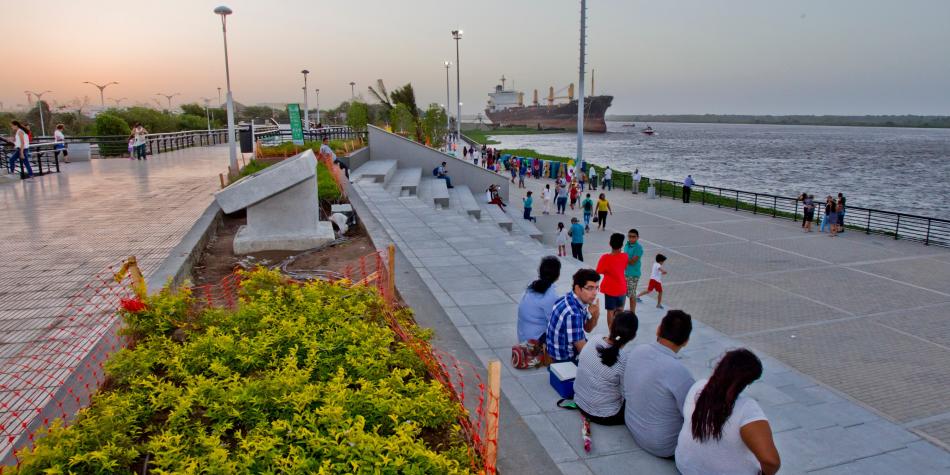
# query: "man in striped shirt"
{"points": [[574, 314]]}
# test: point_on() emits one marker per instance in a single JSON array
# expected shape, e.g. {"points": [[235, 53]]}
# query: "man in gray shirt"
{"points": [[655, 384]]}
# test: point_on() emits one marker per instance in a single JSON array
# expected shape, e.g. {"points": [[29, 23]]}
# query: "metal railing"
{"points": [[272, 135], [40, 154], [117, 145]]}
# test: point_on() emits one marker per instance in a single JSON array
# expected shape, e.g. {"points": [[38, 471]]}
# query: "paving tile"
{"points": [[631, 462]]}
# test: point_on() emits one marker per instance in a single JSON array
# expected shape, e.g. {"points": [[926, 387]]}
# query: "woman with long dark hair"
{"points": [[538, 301], [725, 432], [598, 391], [21, 151]]}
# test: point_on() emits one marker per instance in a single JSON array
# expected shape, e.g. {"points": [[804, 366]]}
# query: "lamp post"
{"points": [[318, 105], [448, 121], [208, 112], [457, 35], [232, 145], [39, 104], [352, 94], [102, 88], [219, 98], [169, 97], [579, 162], [306, 104], [118, 101]]}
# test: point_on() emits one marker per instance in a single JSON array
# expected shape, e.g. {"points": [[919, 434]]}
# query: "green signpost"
{"points": [[296, 126]]}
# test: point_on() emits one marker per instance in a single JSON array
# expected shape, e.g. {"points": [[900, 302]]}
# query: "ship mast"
{"points": [[502, 82], [579, 162]]}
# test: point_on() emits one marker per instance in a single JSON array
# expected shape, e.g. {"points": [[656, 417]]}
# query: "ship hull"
{"points": [[559, 116]]}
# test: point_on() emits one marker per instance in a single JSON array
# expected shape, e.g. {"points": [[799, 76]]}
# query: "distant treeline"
{"points": [[923, 121]]}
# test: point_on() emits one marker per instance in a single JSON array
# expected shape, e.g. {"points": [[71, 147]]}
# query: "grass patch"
{"points": [[481, 136]]}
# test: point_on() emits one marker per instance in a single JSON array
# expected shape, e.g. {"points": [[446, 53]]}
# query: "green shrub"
{"points": [[108, 124], [301, 378]]}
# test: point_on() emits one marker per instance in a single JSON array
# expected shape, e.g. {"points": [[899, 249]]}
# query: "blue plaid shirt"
{"points": [[565, 327]]}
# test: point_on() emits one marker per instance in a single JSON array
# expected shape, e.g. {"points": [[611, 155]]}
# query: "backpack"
{"points": [[435, 171]]}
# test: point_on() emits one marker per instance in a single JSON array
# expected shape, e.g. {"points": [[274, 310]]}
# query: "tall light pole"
{"points": [[579, 162], [318, 105], [169, 97], [207, 112], [102, 88], [219, 98], [39, 104], [448, 120], [352, 94], [306, 104], [118, 101], [457, 35], [232, 145]]}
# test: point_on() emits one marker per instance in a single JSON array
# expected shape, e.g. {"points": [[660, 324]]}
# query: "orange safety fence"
{"points": [[55, 375]]}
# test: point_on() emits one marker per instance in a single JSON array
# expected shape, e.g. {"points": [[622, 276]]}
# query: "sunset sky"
{"points": [[678, 56]]}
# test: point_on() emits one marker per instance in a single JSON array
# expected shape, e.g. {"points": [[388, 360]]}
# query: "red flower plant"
{"points": [[133, 305]]}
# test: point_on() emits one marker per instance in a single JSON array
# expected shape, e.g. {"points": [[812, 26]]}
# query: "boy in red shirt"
{"points": [[614, 285]]}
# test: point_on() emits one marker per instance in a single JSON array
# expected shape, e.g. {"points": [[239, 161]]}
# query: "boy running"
{"points": [[656, 280]]}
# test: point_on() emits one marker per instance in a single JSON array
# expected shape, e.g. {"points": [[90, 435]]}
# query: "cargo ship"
{"points": [[506, 108]]}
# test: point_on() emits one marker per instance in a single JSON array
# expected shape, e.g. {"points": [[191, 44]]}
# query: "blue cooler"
{"points": [[562, 377]]}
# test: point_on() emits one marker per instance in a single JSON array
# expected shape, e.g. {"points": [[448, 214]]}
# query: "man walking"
{"points": [[576, 232], [636, 181], [608, 179], [687, 187]]}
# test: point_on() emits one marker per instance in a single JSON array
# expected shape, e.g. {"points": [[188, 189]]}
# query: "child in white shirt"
{"points": [[656, 280]]}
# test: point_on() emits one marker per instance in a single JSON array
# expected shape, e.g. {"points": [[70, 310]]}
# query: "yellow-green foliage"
{"points": [[300, 379]]}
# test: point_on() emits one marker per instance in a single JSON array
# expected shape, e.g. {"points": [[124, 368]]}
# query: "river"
{"points": [[895, 169]]}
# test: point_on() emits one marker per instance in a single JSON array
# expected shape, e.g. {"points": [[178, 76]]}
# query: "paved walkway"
{"points": [[749, 281], [62, 229]]}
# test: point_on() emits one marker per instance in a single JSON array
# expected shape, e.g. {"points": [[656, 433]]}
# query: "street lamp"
{"points": [[318, 106], [219, 98], [457, 35], [448, 121], [306, 104], [102, 87], [352, 94], [39, 104], [233, 163], [169, 97], [207, 112], [118, 101]]}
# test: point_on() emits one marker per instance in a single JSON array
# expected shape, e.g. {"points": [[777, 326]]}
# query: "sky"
{"points": [[850, 57]]}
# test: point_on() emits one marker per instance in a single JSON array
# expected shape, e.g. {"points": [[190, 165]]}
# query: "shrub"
{"points": [[109, 124], [301, 378]]}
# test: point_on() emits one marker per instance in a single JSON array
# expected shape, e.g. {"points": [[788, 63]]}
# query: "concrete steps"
{"points": [[379, 171], [435, 191], [527, 227], [463, 200], [405, 181], [496, 215]]}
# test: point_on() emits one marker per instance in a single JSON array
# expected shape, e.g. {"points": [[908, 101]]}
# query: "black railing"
{"points": [[274, 135], [43, 159], [117, 145]]}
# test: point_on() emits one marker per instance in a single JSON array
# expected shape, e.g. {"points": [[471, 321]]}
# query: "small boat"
{"points": [[629, 125], [648, 131]]}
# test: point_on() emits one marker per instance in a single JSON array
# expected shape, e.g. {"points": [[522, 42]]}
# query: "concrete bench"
{"points": [[497, 215], [434, 189], [463, 199], [406, 179], [379, 171]]}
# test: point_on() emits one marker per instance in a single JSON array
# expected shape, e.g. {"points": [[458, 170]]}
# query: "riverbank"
{"points": [[913, 121], [482, 136]]}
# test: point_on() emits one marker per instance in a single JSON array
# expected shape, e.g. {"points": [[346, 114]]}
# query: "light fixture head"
{"points": [[305, 72], [223, 10]]}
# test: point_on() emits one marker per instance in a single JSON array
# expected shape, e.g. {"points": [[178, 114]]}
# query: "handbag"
{"points": [[595, 219], [529, 354]]}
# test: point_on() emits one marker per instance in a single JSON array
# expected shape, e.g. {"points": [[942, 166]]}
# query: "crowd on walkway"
{"points": [[833, 219]]}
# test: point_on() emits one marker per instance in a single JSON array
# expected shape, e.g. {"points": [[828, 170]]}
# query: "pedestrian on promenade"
{"points": [[536, 168], [513, 167], [538, 300], [587, 205], [831, 217], [59, 143], [725, 431], [687, 187], [803, 197], [656, 280], [561, 195], [634, 251], [577, 240], [140, 141], [840, 210], [573, 316], [464, 152], [21, 150], [636, 181], [443, 174], [561, 239], [547, 195], [581, 179], [603, 208], [598, 391], [809, 204], [522, 171], [592, 174], [614, 286], [655, 384], [608, 179], [528, 202], [573, 194]]}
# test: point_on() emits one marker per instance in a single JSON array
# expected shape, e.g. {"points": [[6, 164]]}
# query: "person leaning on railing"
{"points": [[326, 151]]}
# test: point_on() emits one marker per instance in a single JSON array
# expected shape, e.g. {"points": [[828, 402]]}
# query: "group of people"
{"points": [[833, 219], [706, 426], [22, 137]]}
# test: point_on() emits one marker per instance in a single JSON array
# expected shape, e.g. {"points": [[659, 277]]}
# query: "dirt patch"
{"points": [[218, 259]]}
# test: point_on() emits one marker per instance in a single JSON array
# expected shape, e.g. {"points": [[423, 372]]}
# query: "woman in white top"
{"points": [[59, 141], [139, 141], [21, 151], [725, 432], [598, 389]]}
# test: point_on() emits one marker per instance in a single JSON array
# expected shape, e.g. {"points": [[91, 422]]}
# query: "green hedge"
{"points": [[300, 379], [327, 189], [108, 124]]}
